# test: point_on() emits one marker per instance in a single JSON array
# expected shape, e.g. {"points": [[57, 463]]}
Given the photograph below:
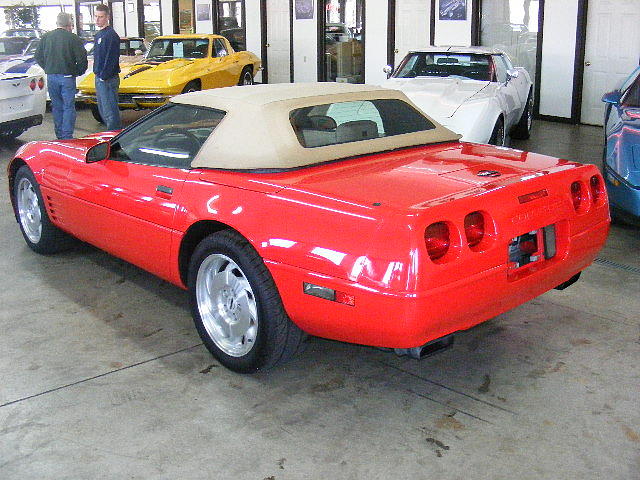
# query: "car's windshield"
{"points": [[465, 65], [168, 49], [12, 46]]}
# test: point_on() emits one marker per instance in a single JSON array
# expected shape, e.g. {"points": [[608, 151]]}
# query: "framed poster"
{"points": [[304, 9], [453, 9], [203, 12]]}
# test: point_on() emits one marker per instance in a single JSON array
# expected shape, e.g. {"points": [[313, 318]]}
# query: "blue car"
{"points": [[621, 163]]}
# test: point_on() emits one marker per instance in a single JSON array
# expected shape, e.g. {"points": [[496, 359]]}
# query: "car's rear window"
{"points": [[343, 122]]}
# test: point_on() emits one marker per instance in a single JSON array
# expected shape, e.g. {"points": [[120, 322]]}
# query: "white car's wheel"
{"points": [[498, 134], [523, 128]]}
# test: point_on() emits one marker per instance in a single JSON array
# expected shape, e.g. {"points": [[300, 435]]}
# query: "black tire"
{"points": [[231, 289], [41, 235], [192, 86], [246, 76], [498, 133], [522, 130], [96, 113]]}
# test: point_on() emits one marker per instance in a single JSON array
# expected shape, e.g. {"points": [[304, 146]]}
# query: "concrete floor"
{"points": [[104, 377]]}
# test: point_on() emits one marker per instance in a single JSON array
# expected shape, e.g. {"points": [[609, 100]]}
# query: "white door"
{"points": [[413, 30], [612, 51], [278, 44]]}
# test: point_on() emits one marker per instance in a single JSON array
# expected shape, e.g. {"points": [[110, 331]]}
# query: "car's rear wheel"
{"points": [[246, 77], [236, 306], [523, 129], [96, 113], [497, 136], [192, 86], [41, 235]]}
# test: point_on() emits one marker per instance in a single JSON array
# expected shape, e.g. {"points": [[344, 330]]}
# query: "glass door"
{"points": [[231, 23], [343, 41]]}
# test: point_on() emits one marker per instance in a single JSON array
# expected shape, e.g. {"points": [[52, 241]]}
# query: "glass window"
{"points": [[473, 66], [220, 49], [632, 97], [343, 122], [171, 137], [230, 23], [500, 68], [166, 49], [512, 27], [13, 46], [343, 41]]}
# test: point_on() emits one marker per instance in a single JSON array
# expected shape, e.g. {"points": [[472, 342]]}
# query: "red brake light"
{"points": [[597, 188], [41, 83], [437, 239], [32, 84], [576, 195], [474, 228]]}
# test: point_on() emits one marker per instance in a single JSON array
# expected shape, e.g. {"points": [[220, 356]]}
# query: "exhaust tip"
{"points": [[428, 349]]}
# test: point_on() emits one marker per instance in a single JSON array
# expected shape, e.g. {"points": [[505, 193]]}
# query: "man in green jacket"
{"points": [[62, 55]]}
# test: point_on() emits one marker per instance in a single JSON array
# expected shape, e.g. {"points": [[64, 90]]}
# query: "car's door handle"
{"points": [[163, 191]]}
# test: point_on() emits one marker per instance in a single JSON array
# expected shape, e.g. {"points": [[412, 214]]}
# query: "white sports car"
{"points": [[474, 91], [22, 102]]}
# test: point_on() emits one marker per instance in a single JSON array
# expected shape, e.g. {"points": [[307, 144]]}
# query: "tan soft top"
{"points": [[256, 132]]}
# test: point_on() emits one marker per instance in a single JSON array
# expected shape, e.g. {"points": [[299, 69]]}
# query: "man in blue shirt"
{"points": [[106, 56]]}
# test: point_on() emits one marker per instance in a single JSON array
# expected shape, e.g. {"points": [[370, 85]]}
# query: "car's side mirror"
{"points": [[612, 97], [388, 70], [98, 152], [512, 73]]}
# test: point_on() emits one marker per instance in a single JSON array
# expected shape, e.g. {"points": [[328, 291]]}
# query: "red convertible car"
{"points": [[334, 210]]}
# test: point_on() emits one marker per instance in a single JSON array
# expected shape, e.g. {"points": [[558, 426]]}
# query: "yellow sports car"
{"points": [[177, 64]]}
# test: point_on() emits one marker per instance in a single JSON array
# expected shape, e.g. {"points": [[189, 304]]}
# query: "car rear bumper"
{"points": [[24, 122], [410, 319]]}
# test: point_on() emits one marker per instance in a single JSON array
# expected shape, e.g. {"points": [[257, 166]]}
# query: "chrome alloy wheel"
{"points": [[29, 210], [529, 113], [227, 305]]}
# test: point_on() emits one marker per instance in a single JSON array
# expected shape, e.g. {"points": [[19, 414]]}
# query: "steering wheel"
{"points": [[191, 138]]}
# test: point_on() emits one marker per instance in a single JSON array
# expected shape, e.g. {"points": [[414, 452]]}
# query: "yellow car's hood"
{"points": [[144, 76], [150, 73]]}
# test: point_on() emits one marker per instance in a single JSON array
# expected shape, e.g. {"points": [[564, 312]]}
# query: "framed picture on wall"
{"points": [[453, 9], [304, 9], [203, 12]]}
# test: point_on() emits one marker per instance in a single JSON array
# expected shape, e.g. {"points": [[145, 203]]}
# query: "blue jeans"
{"points": [[62, 91], [107, 96]]}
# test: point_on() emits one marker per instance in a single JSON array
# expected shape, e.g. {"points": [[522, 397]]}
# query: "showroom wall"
{"points": [[558, 72]]}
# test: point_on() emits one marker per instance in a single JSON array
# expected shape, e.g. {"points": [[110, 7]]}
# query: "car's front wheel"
{"points": [[236, 306], [96, 113], [41, 235], [523, 129], [192, 86], [497, 135], [246, 77]]}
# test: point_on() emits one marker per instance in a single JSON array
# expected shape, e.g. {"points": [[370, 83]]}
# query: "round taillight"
{"points": [[32, 84], [438, 239], [41, 83], [597, 188], [577, 195], [474, 228]]}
